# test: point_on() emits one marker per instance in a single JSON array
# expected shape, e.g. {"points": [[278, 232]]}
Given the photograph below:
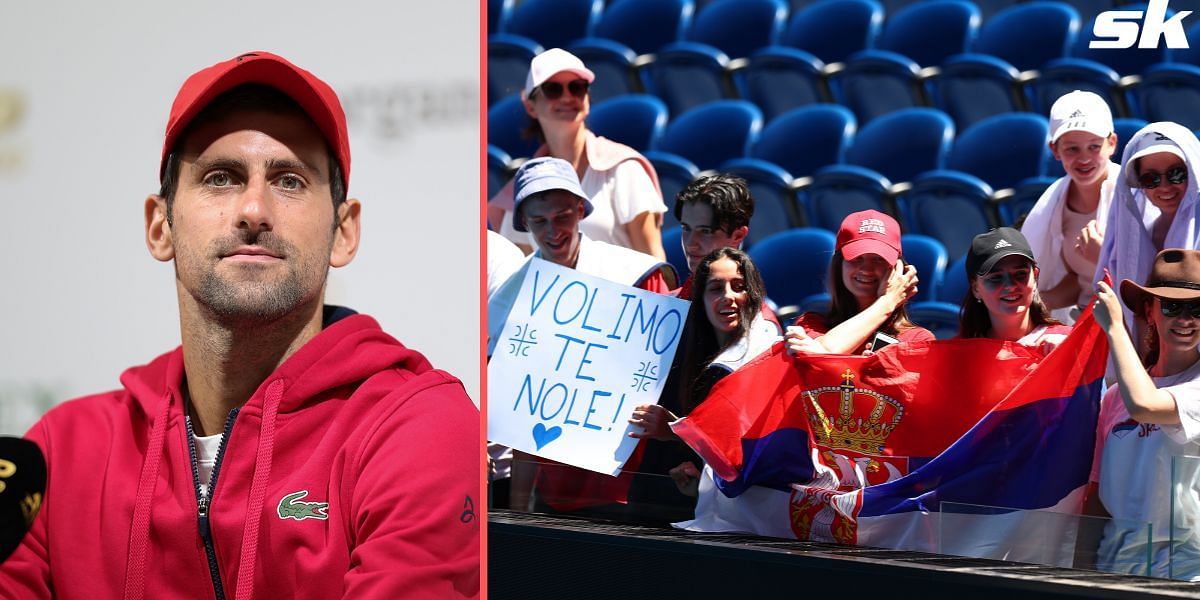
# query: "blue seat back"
{"points": [[794, 264], [508, 64], [930, 258], [498, 172], [1170, 92], [838, 190], [1064, 75], [876, 82], [1025, 196], [1029, 35], [646, 25], [672, 244], [940, 318], [612, 63], [636, 120], [555, 23], [778, 79], [903, 144], [739, 27], [950, 207], [832, 31], [506, 121], [1004, 149], [714, 133], [674, 173], [955, 283], [1125, 128], [973, 87], [774, 201], [499, 12], [686, 75], [908, 31], [806, 139]]}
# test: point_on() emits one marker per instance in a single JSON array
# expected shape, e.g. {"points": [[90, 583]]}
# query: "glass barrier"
{"points": [[1045, 537], [540, 486], [1183, 538]]}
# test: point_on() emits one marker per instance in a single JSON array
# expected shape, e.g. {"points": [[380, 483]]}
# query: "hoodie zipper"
{"points": [[204, 501]]}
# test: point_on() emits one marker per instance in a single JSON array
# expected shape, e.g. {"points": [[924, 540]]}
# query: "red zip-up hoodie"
{"points": [[384, 448]]}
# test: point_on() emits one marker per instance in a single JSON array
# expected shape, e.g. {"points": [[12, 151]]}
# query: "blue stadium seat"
{"points": [[950, 207], [903, 144], [1169, 92], [508, 64], [954, 284], [672, 244], [686, 75], [1064, 75], [1025, 194], [973, 87], [498, 171], [499, 11], [794, 263], [613, 65], [1028, 35], [806, 139], [646, 25], [778, 79], [876, 82], [636, 120], [555, 23], [714, 133], [674, 173], [1125, 130], [832, 31], [506, 121], [930, 258], [739, 27], [774, 200], [940, 318], [838, 190], [1004, 149], [929, 32], [818, 303], [1125, 61]]}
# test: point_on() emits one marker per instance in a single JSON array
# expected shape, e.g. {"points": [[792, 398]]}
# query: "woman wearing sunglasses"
{"points": [[1002, 302], [620, 183], [1147, 420], [1154, 206]]}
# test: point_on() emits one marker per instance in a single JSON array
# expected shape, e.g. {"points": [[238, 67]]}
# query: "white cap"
{"points": [[1150, 142], [1080, 111], [550, 63]]}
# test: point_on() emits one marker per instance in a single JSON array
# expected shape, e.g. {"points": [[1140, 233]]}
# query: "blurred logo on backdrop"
{"points": [[12, 115], [395, 113], [1120, 28]]}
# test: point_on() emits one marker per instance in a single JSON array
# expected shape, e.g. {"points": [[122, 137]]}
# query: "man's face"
{"points": [[253, 217], [553, 219], [700, 234]]}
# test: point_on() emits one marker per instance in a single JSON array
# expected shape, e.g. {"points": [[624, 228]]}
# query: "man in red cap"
{"points": [[287, 448]]}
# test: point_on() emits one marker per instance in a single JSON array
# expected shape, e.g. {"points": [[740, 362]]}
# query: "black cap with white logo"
{"points": [[988, 248]]}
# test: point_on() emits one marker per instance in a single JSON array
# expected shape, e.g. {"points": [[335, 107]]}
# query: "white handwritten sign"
{"points": [[574, 358]]}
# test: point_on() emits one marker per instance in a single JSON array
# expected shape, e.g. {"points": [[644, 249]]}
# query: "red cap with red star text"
{"points": [[314, 96], [869, 231]]}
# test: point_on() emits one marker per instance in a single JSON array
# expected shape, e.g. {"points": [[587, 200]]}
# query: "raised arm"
{"points": [[1144, 401]]}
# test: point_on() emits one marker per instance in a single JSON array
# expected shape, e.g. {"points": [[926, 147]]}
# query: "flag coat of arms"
{"points": [[865, 450]]}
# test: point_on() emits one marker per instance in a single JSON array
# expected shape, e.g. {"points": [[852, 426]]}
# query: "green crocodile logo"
{"points": [[290, 507]]}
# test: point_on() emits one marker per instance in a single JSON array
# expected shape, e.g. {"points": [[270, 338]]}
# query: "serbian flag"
{"points": [[866, 450]]}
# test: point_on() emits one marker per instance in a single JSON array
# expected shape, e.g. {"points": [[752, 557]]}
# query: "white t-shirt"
{"points": [[503, 259], [1132, 464], [206, 457], [617, 196]]}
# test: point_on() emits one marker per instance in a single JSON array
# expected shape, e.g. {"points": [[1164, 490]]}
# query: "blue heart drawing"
{"points": [[543, 436]]}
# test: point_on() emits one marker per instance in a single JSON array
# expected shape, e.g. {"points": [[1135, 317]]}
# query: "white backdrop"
{"points": [[84, 93]]}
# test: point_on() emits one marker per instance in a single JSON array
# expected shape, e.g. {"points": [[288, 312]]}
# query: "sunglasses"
{"points": [[1152, 179], [553, 90], [1174, 308]]}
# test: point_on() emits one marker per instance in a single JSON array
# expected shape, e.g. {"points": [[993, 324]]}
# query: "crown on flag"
{"points": [[865, 418]]}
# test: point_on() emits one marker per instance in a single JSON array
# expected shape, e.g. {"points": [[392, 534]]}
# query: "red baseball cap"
{"points": [[869, 232], [317, 99]]}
